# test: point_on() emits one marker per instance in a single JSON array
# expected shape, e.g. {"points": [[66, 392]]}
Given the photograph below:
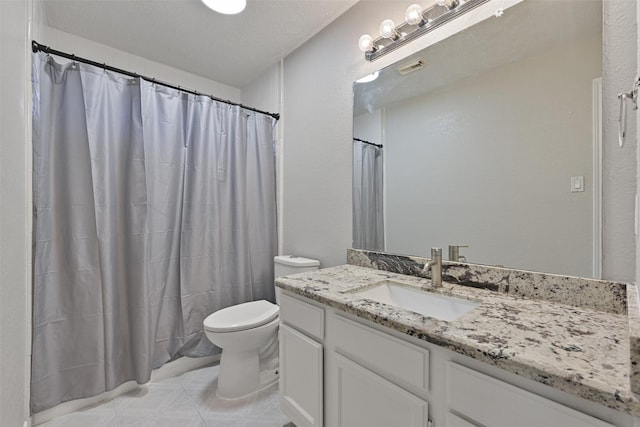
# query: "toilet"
{"points": [[244, 331]]}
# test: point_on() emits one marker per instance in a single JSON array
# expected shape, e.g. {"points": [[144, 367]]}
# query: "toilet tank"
{"points": [[290, 264]]}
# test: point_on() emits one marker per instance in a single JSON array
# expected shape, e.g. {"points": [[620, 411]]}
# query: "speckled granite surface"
{"points": [[577, 291], [634, 337], [581, 351]]}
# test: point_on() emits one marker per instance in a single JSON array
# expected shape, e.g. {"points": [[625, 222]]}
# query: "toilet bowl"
{"points": [[244, 331]]}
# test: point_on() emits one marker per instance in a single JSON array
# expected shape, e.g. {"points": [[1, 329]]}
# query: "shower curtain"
{"points": [[152, 209], [368, 212]]}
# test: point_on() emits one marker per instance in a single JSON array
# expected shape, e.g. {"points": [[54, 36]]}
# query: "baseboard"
{"points": [[168, 370]]}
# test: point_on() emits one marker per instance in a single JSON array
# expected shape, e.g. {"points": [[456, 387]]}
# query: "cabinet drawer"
{"points": [[366, 400], [302, 316], [397, 360], [494, 403]]}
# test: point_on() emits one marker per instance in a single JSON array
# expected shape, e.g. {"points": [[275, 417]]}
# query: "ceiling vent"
{"points": [[411, 67]]}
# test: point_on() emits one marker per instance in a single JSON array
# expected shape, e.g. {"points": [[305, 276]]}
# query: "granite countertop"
{"points": [[582, 351]]}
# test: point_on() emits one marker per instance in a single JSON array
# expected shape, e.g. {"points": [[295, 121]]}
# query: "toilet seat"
{"points": [[242, 316]]}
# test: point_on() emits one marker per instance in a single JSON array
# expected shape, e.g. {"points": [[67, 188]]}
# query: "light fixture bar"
{"points": [[409, 32]]}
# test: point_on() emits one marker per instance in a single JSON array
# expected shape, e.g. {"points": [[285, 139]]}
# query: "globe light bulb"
{"points": [[387, 29], [413, 15], [365, 42]]}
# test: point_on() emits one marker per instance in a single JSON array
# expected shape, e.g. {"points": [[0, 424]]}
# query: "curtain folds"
{"points": [[368, 212], [152, 209]]}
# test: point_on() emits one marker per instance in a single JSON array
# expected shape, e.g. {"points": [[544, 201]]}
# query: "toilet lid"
{"points": [[242, 316]]}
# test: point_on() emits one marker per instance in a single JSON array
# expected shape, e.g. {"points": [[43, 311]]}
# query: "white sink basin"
{"points": [[422, 302]]}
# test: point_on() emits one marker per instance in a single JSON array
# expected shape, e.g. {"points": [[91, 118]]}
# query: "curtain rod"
{"points": [[37, 47], [367, 142]]}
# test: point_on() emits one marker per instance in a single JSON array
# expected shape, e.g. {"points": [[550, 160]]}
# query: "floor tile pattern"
{"points": [[188, 400]]}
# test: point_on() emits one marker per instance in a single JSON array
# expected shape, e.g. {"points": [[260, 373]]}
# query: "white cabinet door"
{"points": [[365, 399], [301, 378]]}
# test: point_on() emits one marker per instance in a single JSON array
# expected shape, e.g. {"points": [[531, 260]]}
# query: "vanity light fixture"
{"points": [[417, 23], [226, 7]]}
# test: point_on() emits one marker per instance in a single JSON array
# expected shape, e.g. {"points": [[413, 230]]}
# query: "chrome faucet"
{"points": [[435, 265]]}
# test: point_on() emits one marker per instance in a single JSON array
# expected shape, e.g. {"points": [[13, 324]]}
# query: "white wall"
{"points": [[499, 179], [14, 206], [69, 43], [369, 126], [264, 92], [619, 164]]}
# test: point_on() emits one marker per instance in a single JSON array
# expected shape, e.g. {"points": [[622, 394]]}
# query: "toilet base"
{"points": [[239, 375]]}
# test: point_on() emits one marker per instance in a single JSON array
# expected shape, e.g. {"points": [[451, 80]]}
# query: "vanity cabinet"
{"points": [[301, 361], [374, 377]]}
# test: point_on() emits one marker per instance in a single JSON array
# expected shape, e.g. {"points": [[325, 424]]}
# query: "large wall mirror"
{"points": [[491, 141]]}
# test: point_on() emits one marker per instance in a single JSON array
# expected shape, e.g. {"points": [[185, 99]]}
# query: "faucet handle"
{"points": [[436, 253], [454, 253]]}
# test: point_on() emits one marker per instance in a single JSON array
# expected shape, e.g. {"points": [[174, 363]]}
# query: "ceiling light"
{"points": [[227, 7]]}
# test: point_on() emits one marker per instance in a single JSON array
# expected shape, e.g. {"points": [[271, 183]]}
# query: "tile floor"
{"points": [[188, 400]]}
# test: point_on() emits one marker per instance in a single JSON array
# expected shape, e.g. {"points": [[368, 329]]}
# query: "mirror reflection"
{"points": [[490, 144]]}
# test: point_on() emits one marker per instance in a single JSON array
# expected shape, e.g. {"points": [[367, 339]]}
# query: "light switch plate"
{"points": [[577, 184]]}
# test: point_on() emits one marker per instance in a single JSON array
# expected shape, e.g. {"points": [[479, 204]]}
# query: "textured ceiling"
{"points": [[185, 34]]}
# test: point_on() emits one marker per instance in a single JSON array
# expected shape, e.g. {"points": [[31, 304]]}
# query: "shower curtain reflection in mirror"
{"points": [[152, 209], [368, 213]]}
